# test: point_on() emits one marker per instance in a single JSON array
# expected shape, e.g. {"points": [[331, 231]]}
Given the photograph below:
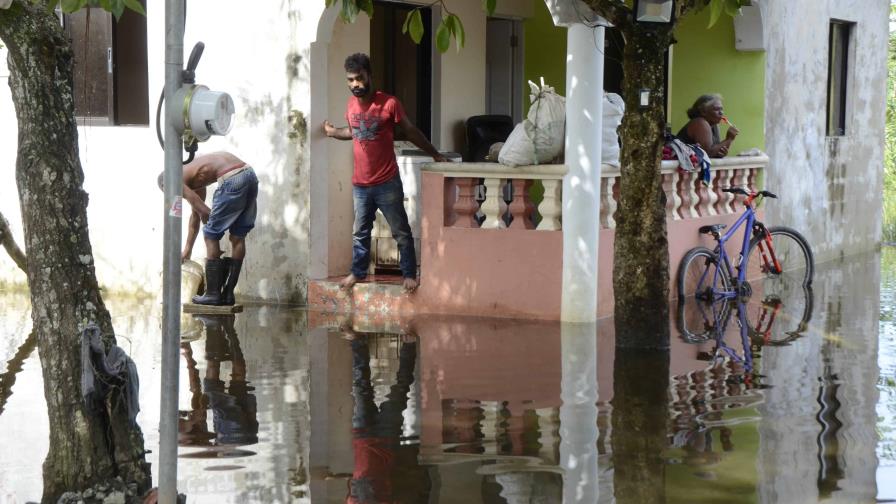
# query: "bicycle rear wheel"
{"points": [[699, 272], [788, 261]]}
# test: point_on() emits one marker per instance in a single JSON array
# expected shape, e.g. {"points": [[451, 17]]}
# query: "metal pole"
{"points": [[174, 62]]}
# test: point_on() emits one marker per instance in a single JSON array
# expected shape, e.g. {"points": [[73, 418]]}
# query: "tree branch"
{"points": [[12, 248], [614, 11]]}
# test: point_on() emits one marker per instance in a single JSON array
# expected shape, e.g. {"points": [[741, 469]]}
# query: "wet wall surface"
{"points": [[779, 399]]}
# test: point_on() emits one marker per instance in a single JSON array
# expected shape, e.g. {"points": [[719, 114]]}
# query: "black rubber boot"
{"points": [[214, 277], [233, 276]]}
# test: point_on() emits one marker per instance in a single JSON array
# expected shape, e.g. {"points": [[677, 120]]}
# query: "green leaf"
{"points": [[135, 6], [416, 26], [443, 37], [367, 6], [69, 6], [457, 29], [715, 10], [489, 6], [51, 6], [349, 11], [407, 21], [732, 7], [117, 8]]}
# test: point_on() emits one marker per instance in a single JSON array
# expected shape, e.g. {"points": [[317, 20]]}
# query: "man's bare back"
{"points": [[206, 169]]}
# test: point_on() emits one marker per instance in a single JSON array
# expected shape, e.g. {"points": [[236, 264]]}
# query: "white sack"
{"points": [[613, 108], [518, 149], [548, 116]]}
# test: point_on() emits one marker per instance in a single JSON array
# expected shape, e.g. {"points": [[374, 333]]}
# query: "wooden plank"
{"points": [[212, 310]]}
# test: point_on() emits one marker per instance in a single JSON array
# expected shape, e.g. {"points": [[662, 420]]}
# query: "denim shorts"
{"points": [[233, 206]]}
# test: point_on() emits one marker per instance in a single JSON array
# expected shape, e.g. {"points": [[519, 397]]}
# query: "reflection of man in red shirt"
{"points": [[372, 116], [376, 430]]}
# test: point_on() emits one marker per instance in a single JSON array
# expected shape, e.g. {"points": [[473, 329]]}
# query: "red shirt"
{"points": [[373, 130]]}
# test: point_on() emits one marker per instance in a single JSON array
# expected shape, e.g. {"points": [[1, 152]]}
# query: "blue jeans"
{"points": [[233, 206], [388, 197]]}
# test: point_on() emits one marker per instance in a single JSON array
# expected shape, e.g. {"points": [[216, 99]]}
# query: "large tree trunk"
{"points": [[641, 255], [85, 448]]}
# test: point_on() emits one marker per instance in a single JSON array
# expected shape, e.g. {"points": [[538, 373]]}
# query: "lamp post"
{"points": [[654, 11]]}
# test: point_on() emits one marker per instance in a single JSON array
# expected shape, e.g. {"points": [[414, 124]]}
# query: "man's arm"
{"points": [[196, 199], [192, 232], [416, 137], [331, 131]]}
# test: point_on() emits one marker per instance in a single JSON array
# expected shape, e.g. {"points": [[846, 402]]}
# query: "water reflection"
{"points": [[376, 429], [233, 405], [772, 400]]}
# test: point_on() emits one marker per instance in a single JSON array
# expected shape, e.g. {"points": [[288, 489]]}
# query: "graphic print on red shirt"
{"points": [[373, 131]]}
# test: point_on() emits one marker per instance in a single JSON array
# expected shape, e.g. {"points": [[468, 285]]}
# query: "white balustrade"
{"points": [[686, 195]]}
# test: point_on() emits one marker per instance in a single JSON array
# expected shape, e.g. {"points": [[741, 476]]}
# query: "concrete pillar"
{"points": [[581, 186], [578, 413]]}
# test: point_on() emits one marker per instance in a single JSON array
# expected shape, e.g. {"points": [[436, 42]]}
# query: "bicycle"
{"points": [[782, 254]]}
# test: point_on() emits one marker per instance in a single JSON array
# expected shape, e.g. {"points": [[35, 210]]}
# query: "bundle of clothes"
{"points": [[690, 157]]}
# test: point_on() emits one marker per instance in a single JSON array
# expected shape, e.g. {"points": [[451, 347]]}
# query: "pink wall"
{"points": [[517, 273]]}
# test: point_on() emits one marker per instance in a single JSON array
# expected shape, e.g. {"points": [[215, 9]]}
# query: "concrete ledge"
{"points": [[199, 309]]}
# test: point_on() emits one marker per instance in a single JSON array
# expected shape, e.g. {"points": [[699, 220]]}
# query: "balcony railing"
{"points": [[685, 198]]}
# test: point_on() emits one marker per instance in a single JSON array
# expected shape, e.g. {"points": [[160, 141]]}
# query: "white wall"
{"points": [[249, 53], [264, 59], [829, 188]]}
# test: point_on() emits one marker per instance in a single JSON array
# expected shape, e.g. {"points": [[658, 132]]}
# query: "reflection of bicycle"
{"points": [[774, 321], [778, 254]]}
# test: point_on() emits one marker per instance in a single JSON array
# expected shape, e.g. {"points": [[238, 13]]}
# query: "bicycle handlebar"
{"points": [[744, 192]]}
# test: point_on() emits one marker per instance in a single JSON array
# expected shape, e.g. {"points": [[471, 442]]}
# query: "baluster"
{"points": [[736, 181], [550, 205], [491, 207], [450, 201], [684, 194], [750, 179], [669, 189], [704, 195], [723, 181], [677, 201], [693, 197], [466, 205], [521, 208], [608, 202], [716, 196], [606, 194]]}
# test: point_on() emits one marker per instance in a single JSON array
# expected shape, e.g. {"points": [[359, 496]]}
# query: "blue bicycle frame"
{"points": [[748, 218]]}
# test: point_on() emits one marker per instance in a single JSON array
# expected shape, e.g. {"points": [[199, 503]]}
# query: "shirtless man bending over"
{"points": [[233, 211]]}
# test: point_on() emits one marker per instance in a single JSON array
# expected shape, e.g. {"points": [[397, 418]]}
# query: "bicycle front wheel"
{"points": [[699, 272], [788, 261]]}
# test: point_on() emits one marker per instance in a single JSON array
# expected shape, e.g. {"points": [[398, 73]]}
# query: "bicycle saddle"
{"points": [[712, 229]]}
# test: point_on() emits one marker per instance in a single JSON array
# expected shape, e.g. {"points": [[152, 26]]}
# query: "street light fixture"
{"points": [[654, 11]]}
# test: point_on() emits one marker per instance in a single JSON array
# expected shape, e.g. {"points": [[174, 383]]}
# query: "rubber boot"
{"points": [[233, 276], [214, 277]]}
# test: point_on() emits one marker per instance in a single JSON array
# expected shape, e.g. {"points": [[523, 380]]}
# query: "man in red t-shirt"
{"points": [[372, 116]]}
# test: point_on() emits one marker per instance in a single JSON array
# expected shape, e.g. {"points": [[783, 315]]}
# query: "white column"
{"points": [[581, 186], [578, 412]]}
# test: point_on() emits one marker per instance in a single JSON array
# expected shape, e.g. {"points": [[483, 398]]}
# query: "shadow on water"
{"points": [[768, 400]]}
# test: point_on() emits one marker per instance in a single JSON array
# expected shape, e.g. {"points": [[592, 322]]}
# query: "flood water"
{"points": [[790, 398]]}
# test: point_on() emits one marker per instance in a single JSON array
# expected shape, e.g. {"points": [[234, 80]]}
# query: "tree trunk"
{"points": [[641, 254], [85, 448]]}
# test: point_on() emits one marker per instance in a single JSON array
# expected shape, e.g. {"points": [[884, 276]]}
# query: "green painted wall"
{"points": [[544, 52], [705, 61]]}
